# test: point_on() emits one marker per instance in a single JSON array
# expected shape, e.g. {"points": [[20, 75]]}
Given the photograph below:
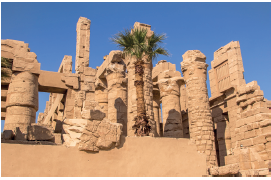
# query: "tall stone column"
{"points": [[117, 94], [200, 120], [22, 103], [84, 95], [156, 109], [170, 97], [82, 44]]}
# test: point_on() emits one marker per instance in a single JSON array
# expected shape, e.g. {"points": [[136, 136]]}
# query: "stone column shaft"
{"points": [[156, 109], [22, 103], [101, 96], [200, 119], [170, 97], [82, 44], [117, 95]]}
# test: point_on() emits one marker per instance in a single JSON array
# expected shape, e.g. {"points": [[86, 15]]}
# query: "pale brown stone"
{"points": [[194, 71], [39, 133]]}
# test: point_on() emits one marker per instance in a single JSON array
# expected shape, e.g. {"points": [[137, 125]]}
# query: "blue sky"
{"points": [[50, 30]]}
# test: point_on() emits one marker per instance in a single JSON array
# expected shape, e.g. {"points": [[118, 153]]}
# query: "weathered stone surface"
{"points": [[170, 97], [200, 119], [57, 138], [71, 80], [22, 65], [92, 114], [82, 44], [225, 170], [91, 135], [117, 89], [39, 133]]}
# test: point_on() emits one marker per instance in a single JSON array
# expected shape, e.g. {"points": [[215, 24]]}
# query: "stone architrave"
{"points": [[200, 119], [22, 103], [117, 93], [170, 97]]}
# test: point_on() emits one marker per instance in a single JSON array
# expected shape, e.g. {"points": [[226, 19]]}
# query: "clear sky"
{"points": [[50, 30]]}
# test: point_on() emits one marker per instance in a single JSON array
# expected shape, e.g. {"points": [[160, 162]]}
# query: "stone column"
{"points": [[156, 109], [200, 120], [82, 44], [84, 95], [117, 94], [101, 96], [22, 103], [170, 97]]}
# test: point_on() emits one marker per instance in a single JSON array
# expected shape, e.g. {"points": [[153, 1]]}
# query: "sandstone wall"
{"points": [[241, 115]]}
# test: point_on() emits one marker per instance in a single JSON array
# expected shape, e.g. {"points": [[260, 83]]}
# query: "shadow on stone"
{"points": [[121, 114], [173, 127]]}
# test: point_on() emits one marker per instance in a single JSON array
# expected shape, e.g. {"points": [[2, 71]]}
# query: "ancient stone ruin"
{"points": [[92, 109]]}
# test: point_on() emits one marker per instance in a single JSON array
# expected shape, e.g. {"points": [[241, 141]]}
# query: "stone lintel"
{"points": [[51, 82]]}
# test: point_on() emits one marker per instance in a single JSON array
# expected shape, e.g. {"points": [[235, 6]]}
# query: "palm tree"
{"points": [[135, 43], [5, 66]]}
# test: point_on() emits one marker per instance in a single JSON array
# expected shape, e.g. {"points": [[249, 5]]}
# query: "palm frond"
{"points": [[134, 42], [6, 64]]}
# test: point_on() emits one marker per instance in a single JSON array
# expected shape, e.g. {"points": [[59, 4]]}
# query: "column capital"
{"points": [[193, 60], [170, 86], [115, 68]]}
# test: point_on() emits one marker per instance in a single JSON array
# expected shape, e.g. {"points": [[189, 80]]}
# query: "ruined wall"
{"points": [[240, 113], [227, 68]]}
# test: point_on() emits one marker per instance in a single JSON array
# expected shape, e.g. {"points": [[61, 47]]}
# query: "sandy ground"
{"points": [[136, 157]]}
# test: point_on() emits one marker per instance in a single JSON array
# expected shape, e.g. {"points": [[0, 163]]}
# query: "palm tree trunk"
{"points": [[139, 83], [141, 126]]}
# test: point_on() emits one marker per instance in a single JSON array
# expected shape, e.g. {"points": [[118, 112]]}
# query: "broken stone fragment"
{"points": [[8, 134], [225, 170], [91, 135], [88, 142], [72, 130], [39, 133], [57, 138]]}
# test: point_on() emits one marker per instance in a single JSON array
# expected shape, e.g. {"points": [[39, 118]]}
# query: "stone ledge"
{"points": [[27, 142]]}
